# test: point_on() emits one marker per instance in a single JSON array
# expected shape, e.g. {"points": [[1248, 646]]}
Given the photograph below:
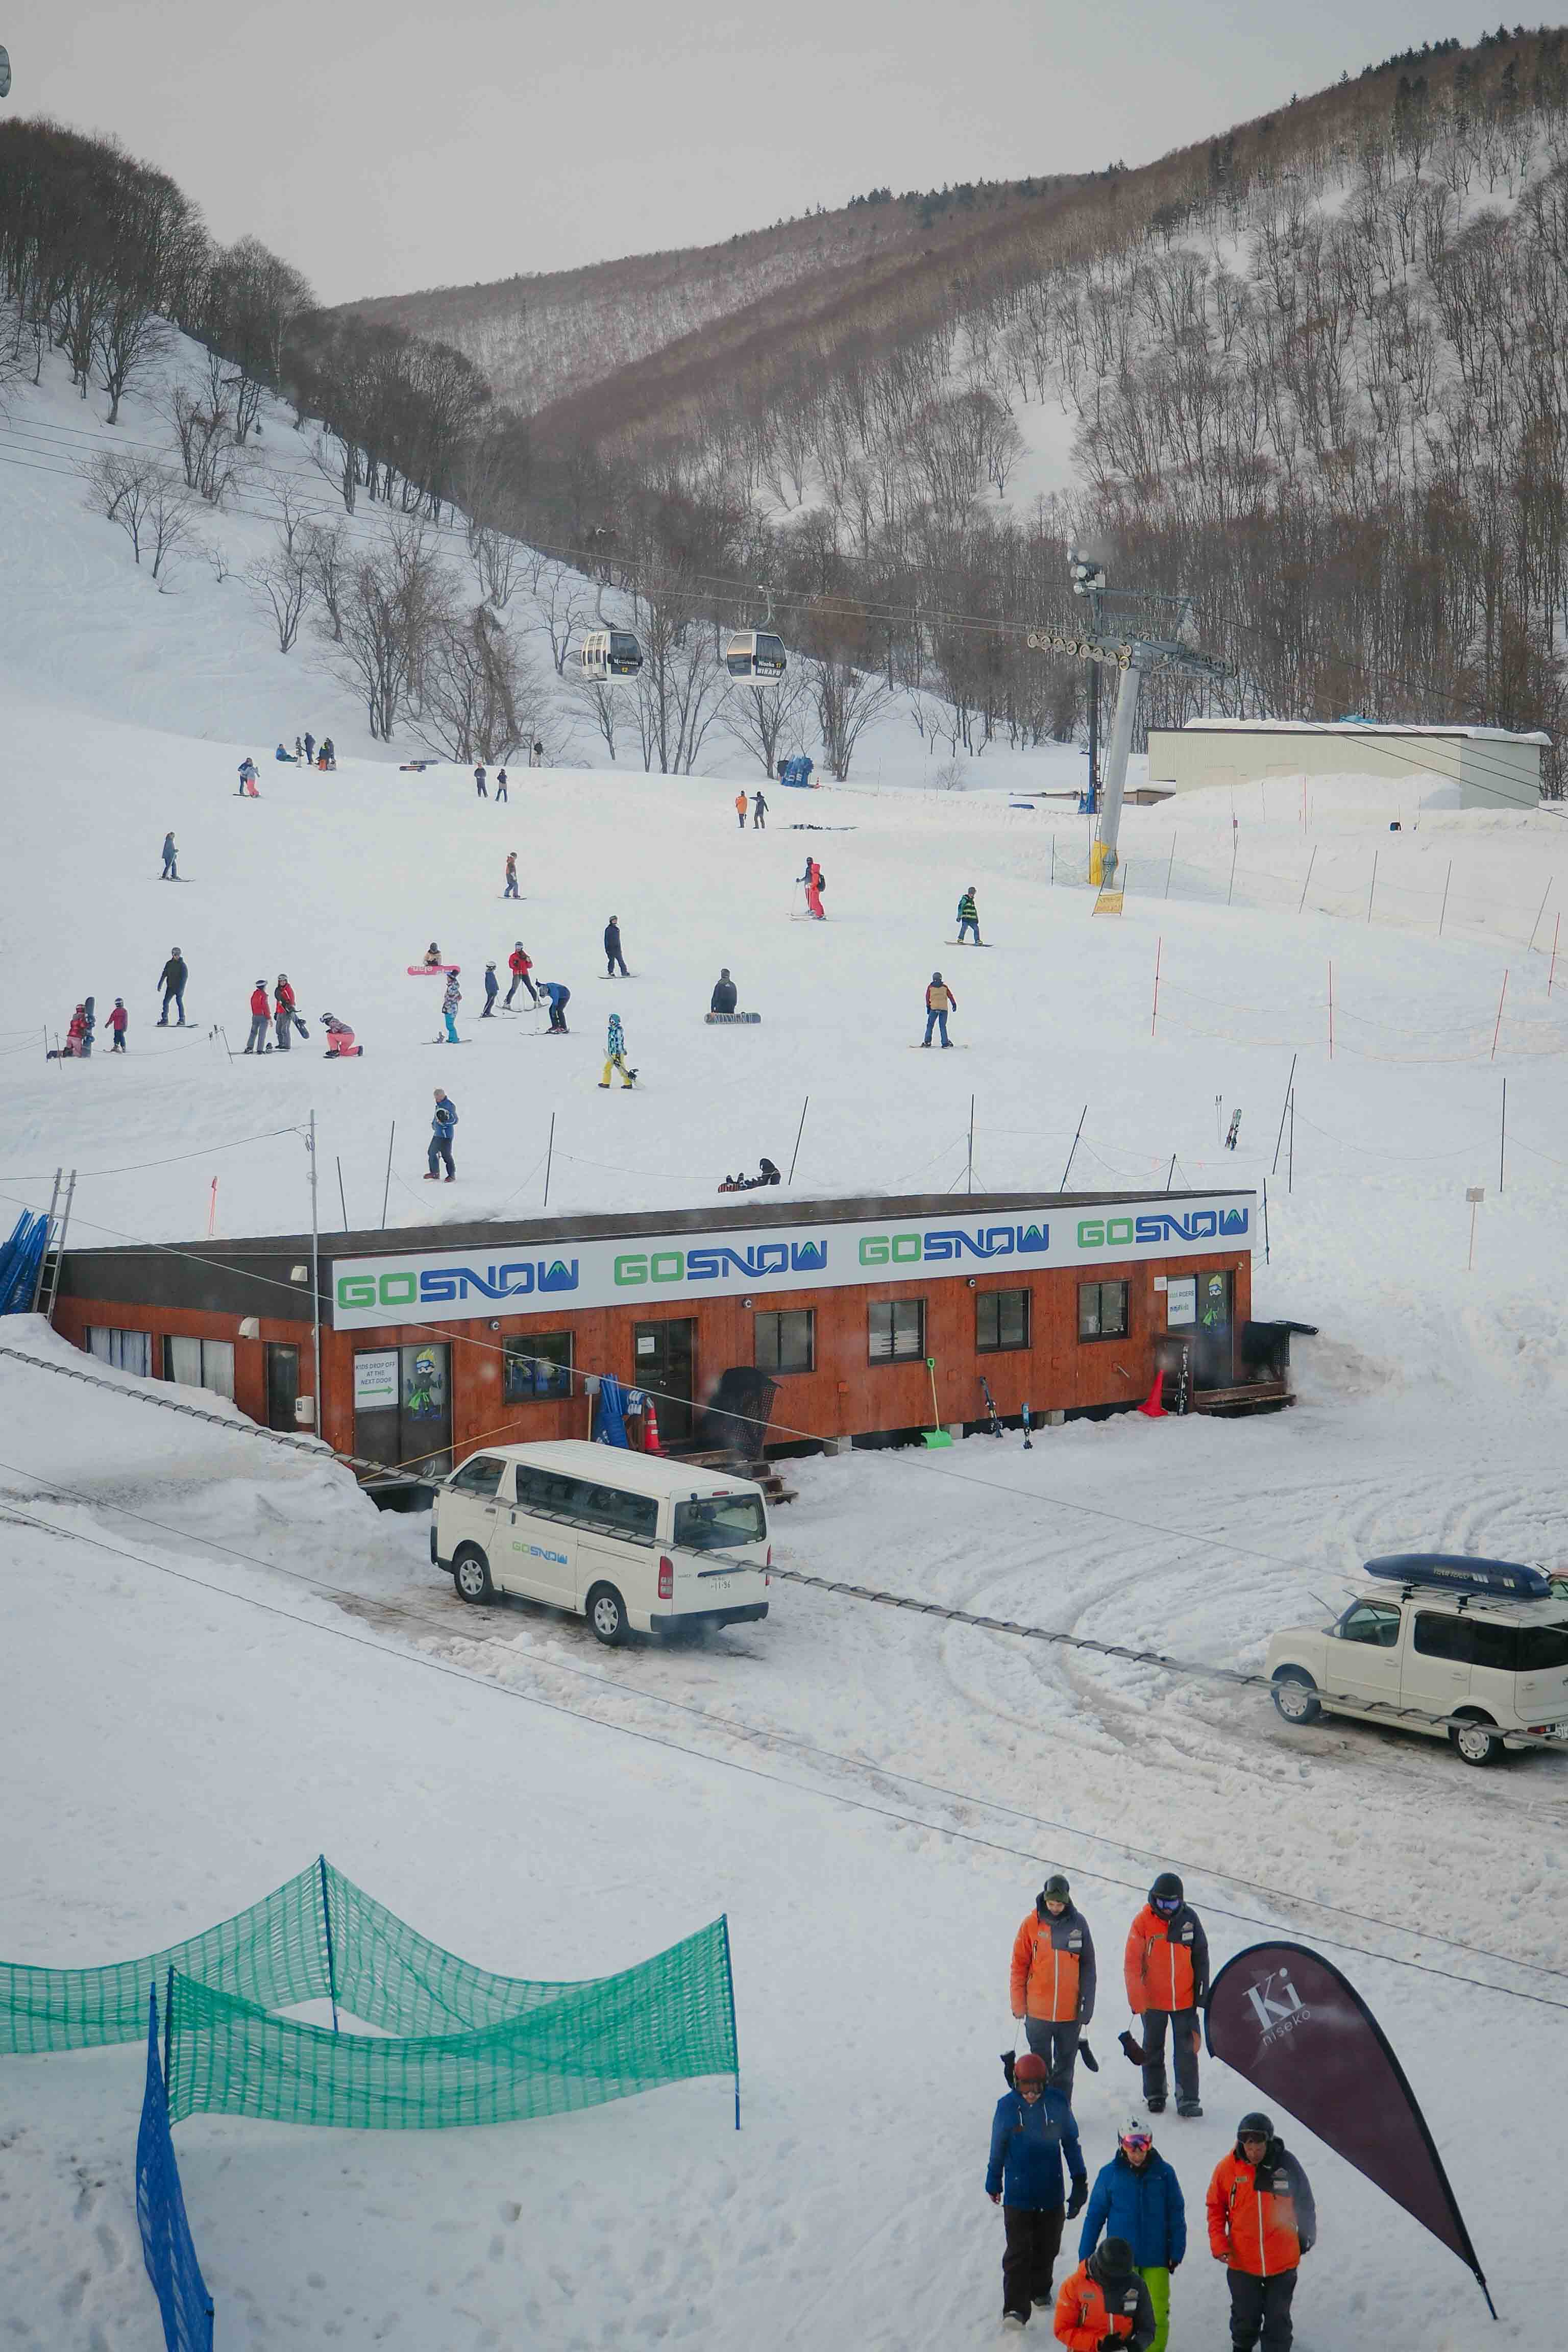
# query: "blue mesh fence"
{"points": [[171, 2257]]}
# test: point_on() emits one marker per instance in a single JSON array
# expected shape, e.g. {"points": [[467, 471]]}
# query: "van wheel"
{"points": [[1477, 1741], [471, 1575], [1295, 1695], [607, 1615]]}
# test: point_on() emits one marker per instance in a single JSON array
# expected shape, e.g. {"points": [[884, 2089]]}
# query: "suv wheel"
{"points": [[471, 1575], [1295, 1695], [1477, 1740], [607, 1615]]}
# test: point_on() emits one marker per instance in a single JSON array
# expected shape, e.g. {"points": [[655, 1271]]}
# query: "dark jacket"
{"points": [[173, 974], [492, 985], [612, 939], [1143, 2204], [725, 997], [1029, 2141]]}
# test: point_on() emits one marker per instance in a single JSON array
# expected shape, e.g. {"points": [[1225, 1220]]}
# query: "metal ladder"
{"points": [[45, 1290]]}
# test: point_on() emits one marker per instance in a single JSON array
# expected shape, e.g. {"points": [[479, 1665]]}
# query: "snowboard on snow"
{"points": [[429, 971], [735, 1020]]}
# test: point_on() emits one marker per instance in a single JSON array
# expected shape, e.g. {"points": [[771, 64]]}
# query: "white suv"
{"points": [[1474, 1648]]}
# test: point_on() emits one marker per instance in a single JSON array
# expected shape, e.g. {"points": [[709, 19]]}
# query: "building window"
{"points": [[1001, 1320], [785, 1342], [128, 1352], [1103, 1310], [200, 1364], [897, 1331], [537, 1364]]}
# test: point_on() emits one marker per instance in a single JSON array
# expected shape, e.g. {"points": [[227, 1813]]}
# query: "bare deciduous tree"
{"points": [[561, 598], [149, 502], [281, 581], [327, 553], [475, 699], [761, 718], [393, 603]]}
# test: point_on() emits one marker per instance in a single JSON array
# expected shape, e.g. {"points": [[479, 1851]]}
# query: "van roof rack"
{"points": [[1456, 1571]]}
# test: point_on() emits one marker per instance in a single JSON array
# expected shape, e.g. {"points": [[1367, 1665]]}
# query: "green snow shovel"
{"points": [[937, 1436]]}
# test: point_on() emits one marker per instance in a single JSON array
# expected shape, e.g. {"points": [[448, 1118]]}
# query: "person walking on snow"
{"points": [[1138, 2196], [283, 1015], [725, 996], [480, 783], [119, 1021], [248, 780], [969, 918], [616, 1053], [510, 890], [260, 1019], [441, 1130], [452, 996], [1032, 2131], [1167, 1975], [301, 757], [1053, 1980], [492, 990], [1105, 2306], [614, 960], [172, 980], [170, 870], [501, 792], [759, 813], [940, 1002], [1262, 2220], [310, 749], [559, 997], [741, 810], [520, 965]]}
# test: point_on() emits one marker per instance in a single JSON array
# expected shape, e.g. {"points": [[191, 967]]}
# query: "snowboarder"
{"points": [[615, 1054], [559, 998], [520, 965], [310, 748], [480, 783], [1137, 2197], [614, 960], [172, 980], [492, 990], [759, 813], [284, 753], [511, 891], [284, 1016], [340, 1038], [260, 1020], [451, 997], [969, 918], [1262, 2220], [1031, 2132], [432, 958], [501, 792], [725, 995], [170, 870], [815, 883], [78, 1045], [741, 810], [441, 1130], [766, 1174], [1167, 1975], [1053, 1980], [248, 780], [940, 1002], [119, 1022], [1105, 2303]]}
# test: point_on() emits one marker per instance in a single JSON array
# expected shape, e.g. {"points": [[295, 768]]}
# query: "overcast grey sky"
{"points": [[381, 146]]}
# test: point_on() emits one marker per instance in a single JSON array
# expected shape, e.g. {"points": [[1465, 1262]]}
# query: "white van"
{"points": [[1473, 1649], [624, 1539]]}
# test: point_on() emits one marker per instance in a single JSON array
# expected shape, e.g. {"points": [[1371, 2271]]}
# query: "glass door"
{"points": [[663, 1359], [282, 1384]]}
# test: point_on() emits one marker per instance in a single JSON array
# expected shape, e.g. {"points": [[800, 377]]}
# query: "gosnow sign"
{"points": [[661, 1270]]}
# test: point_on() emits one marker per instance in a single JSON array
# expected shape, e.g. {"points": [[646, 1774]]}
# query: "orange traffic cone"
{"points": [[649, 1427], [1153, 1404]]}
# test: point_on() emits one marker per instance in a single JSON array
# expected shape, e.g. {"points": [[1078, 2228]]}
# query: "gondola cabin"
{"points": [[755, 657], [609, 655]]}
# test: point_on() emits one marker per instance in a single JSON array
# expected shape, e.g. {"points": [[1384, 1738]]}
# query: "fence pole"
{"points": [[1291, 1149], [969, 1172], [1443, 909], [1067, 1171], [1373, 889], [1234, 844], [800, 1130], [1538, 912], [386, 1188], [168, 2028], [1170, 864], [1498, 1025], [1289, 1089], [549, 1158], [342, 1202], [1266, 1220], [1310, 862], [1502, 1140], [734, 2029], [327, 1923], [1556, 927], [1154, 1015], [1170, 1172]]}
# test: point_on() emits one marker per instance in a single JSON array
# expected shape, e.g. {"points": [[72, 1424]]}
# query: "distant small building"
{"points": [[1493, 768]]}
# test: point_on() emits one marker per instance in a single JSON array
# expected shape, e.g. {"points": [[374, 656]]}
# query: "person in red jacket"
{"points": [[119, 1020], [1105, 2306], [260, 1019], [283, 1013], [520, 965], [1167, 1975], [1262, 2220], [1053, 1978]]}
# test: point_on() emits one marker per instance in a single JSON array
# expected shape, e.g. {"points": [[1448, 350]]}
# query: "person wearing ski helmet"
{"points": [[1167, 1975], [1262, 2220], [1031, 2133], [1053, 1978], [1105, 2306], [940, 1002], [1137, 2197]]}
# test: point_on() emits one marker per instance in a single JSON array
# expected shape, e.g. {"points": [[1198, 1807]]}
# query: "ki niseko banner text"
{"points": [[461, 1285]]}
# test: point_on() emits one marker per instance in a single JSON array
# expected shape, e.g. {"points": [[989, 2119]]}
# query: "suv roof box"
{"points": [[1458, 1572]]}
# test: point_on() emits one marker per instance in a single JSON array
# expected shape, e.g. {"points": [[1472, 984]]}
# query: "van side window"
{"points": [[1494, 1646], [1438, 1636], [632, 1516], [1543, 1649], [1369, 1621], [546, 1493], [481, 1475]]}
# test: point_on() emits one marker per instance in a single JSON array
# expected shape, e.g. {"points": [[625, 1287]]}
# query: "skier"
{"points": [[501, 792], [1167, 1976], [511, 891], [741, 810], [1105, 2306], [1053, 1980], [247, 779], [480, 783], [759, 813], [172, 980], [615, 1054], [171, 871], [1137, 2197], [613, 956], [451, 997], [815, 885], [1031, 2131], [1262, 2220], [969, 918], [559, 998], [260, 1019], [310, 749], [119, 1021], [520, 965], [725, 996], [492, 990], [441, 1130], [284, 1016], [940, 1002], [340, 1038]]}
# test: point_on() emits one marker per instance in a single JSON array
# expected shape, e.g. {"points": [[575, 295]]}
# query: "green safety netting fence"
{"points": [[451, 2043]]}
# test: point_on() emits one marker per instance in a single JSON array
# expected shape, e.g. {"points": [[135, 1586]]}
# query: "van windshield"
{"points": [[715, 1522]]}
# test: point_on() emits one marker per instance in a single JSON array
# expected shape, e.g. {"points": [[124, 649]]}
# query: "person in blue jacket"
{"points": [[1031, 2132], [1138, 2196]]}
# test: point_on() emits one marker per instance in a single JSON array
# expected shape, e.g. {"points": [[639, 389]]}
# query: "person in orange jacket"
{"points": [[1262, 2220], [1053, 1980], [741, 810], [1167, 1975], [1105, 2306]]}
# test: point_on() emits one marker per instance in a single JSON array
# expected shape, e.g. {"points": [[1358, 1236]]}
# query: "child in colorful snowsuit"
{"points": [[511, 891], [119, 1021], [616, 1052], [451, 998]]}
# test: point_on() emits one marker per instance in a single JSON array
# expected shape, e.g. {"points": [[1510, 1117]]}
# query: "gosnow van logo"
{"points": [[636, 1267], [945, 1243], [1280, 2011], [1156, 1225], [404, 1287]]}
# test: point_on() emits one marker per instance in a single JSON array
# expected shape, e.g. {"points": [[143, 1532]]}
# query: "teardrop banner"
{"points": [[1286, 2019]]}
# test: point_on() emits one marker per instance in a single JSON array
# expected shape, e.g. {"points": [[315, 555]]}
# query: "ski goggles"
{"points": [[1137, 2139], [1167, 1905]]}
